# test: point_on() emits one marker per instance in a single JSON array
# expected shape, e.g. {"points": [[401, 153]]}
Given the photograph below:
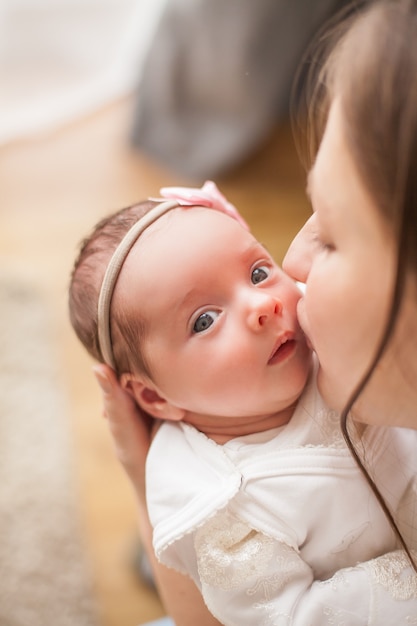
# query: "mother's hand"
{"points": [[130, 427]]}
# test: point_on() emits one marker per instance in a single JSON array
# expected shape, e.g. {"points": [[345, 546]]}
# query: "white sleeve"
{"points": [[248, 578]]}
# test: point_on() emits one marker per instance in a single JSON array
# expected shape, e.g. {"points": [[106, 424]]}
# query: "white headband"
{"points": [[113, 271]]}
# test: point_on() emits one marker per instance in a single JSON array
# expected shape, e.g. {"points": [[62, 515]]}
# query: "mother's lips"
{"points": [[302, 321]]}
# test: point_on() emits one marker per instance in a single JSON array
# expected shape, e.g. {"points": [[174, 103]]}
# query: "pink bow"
{"points": [[208, 196]]}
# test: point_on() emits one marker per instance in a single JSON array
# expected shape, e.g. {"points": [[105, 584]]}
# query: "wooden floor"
{"points": [[52, 190]]}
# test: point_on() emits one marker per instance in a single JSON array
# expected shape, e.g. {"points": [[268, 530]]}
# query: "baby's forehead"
{"points": [[184, 237], [183, 224], [186, 213]]}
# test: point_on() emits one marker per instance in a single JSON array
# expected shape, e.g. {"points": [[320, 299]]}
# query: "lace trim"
{"points": [[328, 421], [393, 572], [229, 552], [339, 579], [250, 567], [334, 616]]}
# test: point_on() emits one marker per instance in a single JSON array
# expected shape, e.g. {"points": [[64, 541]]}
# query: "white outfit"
{"points": [[257, 520]]}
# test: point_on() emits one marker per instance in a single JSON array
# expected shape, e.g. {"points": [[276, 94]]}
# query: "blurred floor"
{"points": [[52, 190]]}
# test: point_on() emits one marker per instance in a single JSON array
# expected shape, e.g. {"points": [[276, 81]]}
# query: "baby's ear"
{"points": [[149, 398]]}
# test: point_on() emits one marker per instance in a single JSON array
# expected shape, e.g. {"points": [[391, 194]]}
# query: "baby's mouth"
{"points": [[283, 349]]}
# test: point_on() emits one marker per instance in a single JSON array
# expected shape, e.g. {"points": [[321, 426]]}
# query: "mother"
{"points": [[357, 255]]}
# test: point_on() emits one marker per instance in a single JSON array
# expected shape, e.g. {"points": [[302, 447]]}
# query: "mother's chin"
{"points": [[335, 395]]}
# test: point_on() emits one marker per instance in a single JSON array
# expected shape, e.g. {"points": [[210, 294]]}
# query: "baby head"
{"points": [[196, 312], [96, 270]]}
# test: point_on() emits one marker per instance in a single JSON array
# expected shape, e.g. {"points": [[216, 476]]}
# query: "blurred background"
{"points": [[102, 103]]}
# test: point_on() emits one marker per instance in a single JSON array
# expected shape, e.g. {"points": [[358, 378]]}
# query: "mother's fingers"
{"points": [[129, 426], [115, 399]]}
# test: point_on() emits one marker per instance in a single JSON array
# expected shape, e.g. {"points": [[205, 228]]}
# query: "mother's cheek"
{"points": [[304, 321]]}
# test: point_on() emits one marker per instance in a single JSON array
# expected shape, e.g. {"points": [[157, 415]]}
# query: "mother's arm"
{"points": [[130, 430]]}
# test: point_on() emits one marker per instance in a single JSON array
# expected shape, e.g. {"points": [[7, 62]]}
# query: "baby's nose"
{"points": [[264, 308]]}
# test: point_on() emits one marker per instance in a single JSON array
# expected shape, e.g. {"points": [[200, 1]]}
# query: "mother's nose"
{"points": [[297, 261], [262, 309]]}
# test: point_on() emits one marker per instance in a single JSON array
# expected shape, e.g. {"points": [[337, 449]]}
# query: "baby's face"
{"points": [[222, 334]]}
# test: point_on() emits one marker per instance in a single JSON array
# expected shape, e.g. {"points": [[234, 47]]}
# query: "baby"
{"points": [[248, 466]]}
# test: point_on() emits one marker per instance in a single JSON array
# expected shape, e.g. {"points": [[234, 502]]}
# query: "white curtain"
{"points": [[61, 59]]}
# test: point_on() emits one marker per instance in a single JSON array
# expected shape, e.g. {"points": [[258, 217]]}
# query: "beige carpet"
{"points": [[44, 577]]}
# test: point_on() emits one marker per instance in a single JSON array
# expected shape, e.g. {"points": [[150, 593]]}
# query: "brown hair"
{"points": [[86, 278], [368, 60]]}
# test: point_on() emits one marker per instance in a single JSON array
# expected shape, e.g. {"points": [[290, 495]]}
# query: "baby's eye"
{"points": [[260, 274], [204, 321]]}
